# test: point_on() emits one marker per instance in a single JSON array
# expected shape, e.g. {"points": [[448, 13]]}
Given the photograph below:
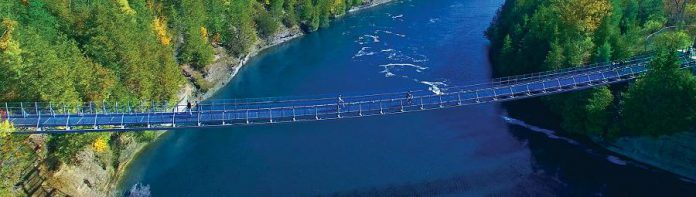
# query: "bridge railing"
{"points": [[324, 109], [494, 82], [572, 70], [52, 110]]}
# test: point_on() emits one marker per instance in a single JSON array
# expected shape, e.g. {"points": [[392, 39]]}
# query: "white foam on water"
{"points": [[390, 32], [139, 190], [434, 20], [387, 73], [388, 68], [549, 133], [435, 86], [400, 56], [367, 39], [374, 38], [616, 160], [687, 180], [398, 16], [363, 52]]}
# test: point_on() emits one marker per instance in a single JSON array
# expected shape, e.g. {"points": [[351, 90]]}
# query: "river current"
{"points": [[404, 45]]}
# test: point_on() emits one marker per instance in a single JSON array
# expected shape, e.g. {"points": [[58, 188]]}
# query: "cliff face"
{"points": [[94, 174]]}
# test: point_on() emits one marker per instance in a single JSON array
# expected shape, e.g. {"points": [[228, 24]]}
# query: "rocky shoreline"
{"points": [[92, 176], [226, 67]]}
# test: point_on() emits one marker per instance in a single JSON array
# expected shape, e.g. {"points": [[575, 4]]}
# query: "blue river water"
{"points": [[405, 45]]}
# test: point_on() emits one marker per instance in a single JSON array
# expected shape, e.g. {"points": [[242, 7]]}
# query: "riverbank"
{"points": [[98, 173], [671, 153], [226, 67], [623, 119], [675, 153]]}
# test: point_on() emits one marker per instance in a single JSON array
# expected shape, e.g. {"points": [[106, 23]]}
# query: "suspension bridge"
{"points": [[36, 117]]}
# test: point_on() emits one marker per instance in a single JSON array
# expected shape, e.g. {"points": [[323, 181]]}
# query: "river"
{"points": [[405, 45]]}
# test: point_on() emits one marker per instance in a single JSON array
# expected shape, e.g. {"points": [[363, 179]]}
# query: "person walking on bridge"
{"points": [[339, 105], [4, 114], [409, 98], [188, 107]]}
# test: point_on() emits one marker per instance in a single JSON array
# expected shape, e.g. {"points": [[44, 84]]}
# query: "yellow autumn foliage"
{"points": [[6, 37], [583, 15], [6, 128], [101, 144], [125, 7], [204, 33], [160, 26]]}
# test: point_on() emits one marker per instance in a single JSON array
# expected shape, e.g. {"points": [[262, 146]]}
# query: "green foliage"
{"points": [[538, 35], [127, 51], [16, 155], [64, 147], [218, 20], [243, 33], [586, 111], [196, 50], [290, 18], [266, 24], [673, 41], [277, 8], [200, 82], [146, 136], [603, 53], [309, 15], [555, 58], [664, 100], [316, 14]]}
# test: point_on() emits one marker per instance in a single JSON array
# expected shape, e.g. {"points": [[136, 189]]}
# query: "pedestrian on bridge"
{"points": [[340, 103], [409, 98], [4, 114], [188, 107]]}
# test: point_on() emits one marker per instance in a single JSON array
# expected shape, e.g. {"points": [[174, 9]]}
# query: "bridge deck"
{"points": [[94, 117]]}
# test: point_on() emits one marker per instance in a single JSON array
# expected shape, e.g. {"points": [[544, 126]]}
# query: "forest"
{"points": [[539, 35], [68, 51]]}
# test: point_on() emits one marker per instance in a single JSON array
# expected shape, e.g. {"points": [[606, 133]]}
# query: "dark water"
{"points": [[415, 44]]}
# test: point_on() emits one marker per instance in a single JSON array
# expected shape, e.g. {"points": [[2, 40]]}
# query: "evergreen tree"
{"points": [[243, 33], [196, 48], [664, 100]]}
